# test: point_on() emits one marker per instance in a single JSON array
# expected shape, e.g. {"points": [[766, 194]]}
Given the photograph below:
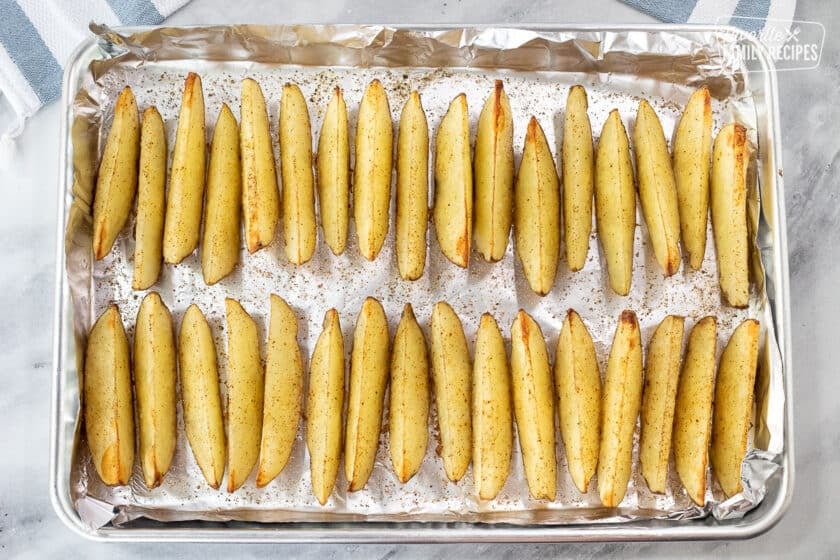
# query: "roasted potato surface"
{"points": [[693, 411], [733, 405], [200, 395], [260, 196], [324, 404], [151, 201], [116, 182], [493, 172], [108, 403], [409, 397], [491, 410], [184, 202], [533, 406], [451, 374], [620, 409], [615, 203], [283, 391], [729, 213], [154, 387], [578, 382], [453, 208]]}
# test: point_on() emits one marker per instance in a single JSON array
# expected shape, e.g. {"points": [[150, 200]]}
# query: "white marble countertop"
{"points": [[810, 117]]}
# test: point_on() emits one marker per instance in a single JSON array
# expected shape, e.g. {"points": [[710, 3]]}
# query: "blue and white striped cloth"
{"points": [[749, 15], [38, 36]]}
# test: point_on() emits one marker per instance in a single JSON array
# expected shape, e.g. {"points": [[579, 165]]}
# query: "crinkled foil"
{"points": [[618, 68]]}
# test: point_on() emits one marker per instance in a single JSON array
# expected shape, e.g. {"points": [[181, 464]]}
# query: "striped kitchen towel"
{"points": [[750, 15], [38, 36]]}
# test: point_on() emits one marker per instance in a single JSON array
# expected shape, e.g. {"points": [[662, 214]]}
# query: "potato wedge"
{"points": [[200, 395], [493, 173], [117, 179], [729, 213], [245, 386], [657, 190], [299, 228], [372, 173], [220, 241], [260, 197], [109, 410], [409, 406], [334, 173], [620, 409], [154, 387], [662, 373], [412, 189], [451, 371], [491, 410], [182, 223], [536, 213], [693, 411], [578, 155], [283, 391], [369, 361], [578, 383], [615, 202], [151, 201], [692, 149], [733, 405], [533, 406], [454, 183], [324, 403]]}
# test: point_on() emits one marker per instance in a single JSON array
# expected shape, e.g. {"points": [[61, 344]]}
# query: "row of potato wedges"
{"points": [[477, 399], [476, 198]]}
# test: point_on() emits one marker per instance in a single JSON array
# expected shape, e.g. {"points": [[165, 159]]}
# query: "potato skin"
{"points": [[260, 196], [409, 403], [412, 189], [283, 391], [578, 382], [324, 403], [453, 208], [692, 150], [536, 214], [372, 173], [182, 223], [491, 410], [615, 202], [662, 371], [451, 372], [108, 405], [578, 167], [200, 395], [245, 386], [733, 405], [533, 406], [154, 385], [620, 409], [116, 182], [220, 241], [299, 229], [368, 376], [693, 411], [333, 166], [729, 213], [657, 190], [493, 174], [151, 201]]}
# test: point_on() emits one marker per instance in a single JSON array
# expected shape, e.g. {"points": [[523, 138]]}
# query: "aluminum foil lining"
{"points": [[617, 68]]}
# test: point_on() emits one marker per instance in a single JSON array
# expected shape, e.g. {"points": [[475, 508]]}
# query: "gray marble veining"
{"points": [[811, 137]]}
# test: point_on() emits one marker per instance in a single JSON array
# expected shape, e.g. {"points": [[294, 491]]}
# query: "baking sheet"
{"points": [[617, 69]]}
